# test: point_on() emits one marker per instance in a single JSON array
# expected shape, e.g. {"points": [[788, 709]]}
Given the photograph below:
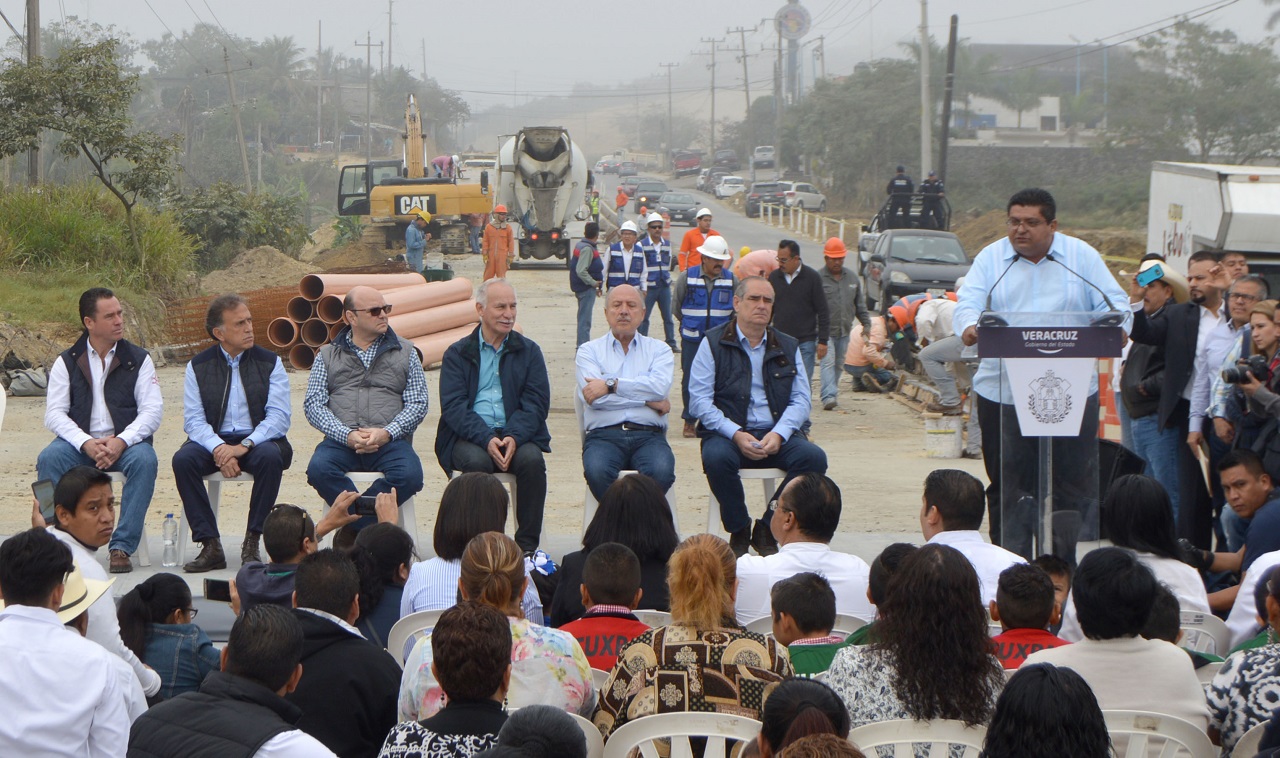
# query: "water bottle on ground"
{"points": [[170, 541]]}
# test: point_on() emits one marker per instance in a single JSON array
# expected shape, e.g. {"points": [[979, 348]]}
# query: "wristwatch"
{"points": [[246, 443], [611, 385]]}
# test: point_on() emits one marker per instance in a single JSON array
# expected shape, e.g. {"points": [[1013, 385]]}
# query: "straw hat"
{"points": [[1178, 282], [78, 595]]}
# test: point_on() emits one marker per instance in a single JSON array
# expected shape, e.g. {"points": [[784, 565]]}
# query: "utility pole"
{"points": [[822, 54], [667, 153], [389, 63], [319, 86], [235, 112], [424, 61], [777, 109], [368, 96], [926, 121], [33, 52], [944, 139], [746, 78], [259, 156], [712, 66]]}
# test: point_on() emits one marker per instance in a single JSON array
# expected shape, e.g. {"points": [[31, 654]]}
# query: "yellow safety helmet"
{"points": [[743, 252], [424, 215]]}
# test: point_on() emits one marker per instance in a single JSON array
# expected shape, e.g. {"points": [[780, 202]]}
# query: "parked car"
{"points": [[629, 184], [713, 178], [727, 159], [730, 186], [702, 178], [763, 157], [804, 195], [913, 260], [628, 168], [647, 194], [680, 206], [764, 193], [686, 163]]}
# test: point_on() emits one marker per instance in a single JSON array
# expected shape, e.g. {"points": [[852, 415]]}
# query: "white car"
{"points": [[763, 157], [804, 195], [730, 186]]}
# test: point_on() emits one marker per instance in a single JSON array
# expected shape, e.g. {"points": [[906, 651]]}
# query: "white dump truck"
{"points": [[542, 179], [1204, 206]]}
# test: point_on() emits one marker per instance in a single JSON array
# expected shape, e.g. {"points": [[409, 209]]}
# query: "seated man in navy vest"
{"points": [[235, 411], [367, 394], [752, 402], [104, 404]]}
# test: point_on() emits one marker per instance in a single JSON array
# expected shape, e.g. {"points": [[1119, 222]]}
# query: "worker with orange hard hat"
{"points": [[498, 245], [845, 304]]}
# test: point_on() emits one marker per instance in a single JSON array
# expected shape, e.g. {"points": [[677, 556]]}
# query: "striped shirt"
{"points": [[403, 425], [433, 585]]}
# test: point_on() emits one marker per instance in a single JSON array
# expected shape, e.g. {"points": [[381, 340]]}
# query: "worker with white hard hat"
{"points": [[703, 294], [624, 261], [657, 256], [694, 238]]}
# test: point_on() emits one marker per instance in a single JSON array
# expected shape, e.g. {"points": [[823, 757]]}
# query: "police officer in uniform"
{"points": [[932, 190], [899, 191]]}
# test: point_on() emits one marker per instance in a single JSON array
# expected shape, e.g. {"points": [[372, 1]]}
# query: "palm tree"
{"points": [[1021, 91]]}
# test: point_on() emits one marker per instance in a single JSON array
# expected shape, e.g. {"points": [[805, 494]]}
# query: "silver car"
{"points": [[804, 195]]}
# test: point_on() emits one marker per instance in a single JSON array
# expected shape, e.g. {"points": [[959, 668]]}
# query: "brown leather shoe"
{"points": [[249, 548], [120, 563], [946, 410], [210, 558], [690, 431], [740, 542]]}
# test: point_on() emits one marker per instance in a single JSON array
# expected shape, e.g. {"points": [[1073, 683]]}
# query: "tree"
{"points": [[1020, 90], [84, 94]]}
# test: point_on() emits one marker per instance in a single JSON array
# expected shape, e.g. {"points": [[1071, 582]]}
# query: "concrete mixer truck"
{"points": [[542, 179]]}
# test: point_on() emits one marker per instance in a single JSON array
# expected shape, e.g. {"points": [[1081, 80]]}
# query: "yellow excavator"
{"points": [[390, 191]]}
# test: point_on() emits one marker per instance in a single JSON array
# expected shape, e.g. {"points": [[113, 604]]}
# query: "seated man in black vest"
{"points": [[752, 402], [240, 711], [235, 411], [104, 404]]}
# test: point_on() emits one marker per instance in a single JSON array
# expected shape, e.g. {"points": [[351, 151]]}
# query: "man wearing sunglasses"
{"points": [[367, 394]]}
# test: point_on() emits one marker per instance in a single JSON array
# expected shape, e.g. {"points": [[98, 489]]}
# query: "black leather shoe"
{"points": [[249, 548], [740, 542], [210, 558], [762, 538]]}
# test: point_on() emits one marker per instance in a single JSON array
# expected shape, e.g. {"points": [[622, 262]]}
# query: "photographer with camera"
{"points": [[1254, 382]]}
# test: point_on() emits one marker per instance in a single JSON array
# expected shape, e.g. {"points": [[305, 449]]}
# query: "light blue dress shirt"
{"points": [[644, 373], [702, 385], [488, 404], [236, 420], [1043, 288]]}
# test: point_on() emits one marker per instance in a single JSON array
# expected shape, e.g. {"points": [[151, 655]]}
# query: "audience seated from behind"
{"points": [[932, 658], [240, 710], [348, 688], [383, 554], [1242, 694], [800, 708], [1244, 621], [471, 658], [610, 590], [1137, 516], [61, 693], [804, 611], [1113, 592], [954, 503], [821, 746], [1025, 608], [702, 661], [1059, 572], [538, 731], [634, 513], [879, 582], [471, 504], [1165, 623], [156, 623], [547, 665], [1265, 635], [803, 523], [1047, 711]]}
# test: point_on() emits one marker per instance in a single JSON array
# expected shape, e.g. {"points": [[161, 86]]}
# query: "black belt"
{"points": [[627, 426]]}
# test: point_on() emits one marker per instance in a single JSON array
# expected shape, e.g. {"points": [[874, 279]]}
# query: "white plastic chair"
{"points": [[1205, 633], [214, 483], [599, 677], [1247, 746], [653, 618], [1207, 672], [143, 553], [845, 625], [408, 628], [408, 519], [1143, 734], [768, 477], [720, 729], [595, 742], [901, 735], [762, 625]]}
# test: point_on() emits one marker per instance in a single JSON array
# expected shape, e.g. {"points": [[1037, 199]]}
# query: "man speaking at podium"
{"points": [[1035, 269]]}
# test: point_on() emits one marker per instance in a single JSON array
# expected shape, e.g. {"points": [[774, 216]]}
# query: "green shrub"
{"points": [[226, 220]]}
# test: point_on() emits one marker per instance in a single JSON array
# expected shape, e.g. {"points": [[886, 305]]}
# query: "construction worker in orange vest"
{"points": [[499, 245], [693, 239]]}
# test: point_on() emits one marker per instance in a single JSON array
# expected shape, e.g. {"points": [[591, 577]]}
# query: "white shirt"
{"points": [[59, 694], [433, 586], [1210, 321], [988, 560], [58, 401], [1243, 619], [1211, 351], [933, 319], [104, 626], [294, 743], [330, 617], [847, 574], [644, 373], [1182, 580], [135, 702]]}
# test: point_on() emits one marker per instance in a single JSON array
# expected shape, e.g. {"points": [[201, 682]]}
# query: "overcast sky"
{"points": [[487, 48]]}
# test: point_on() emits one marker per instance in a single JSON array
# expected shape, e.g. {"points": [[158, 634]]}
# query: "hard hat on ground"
{"points": [[653, 218], [703, 212], [715, 247], [499, 208], [835, 248], [424, 215], [628, 226]]}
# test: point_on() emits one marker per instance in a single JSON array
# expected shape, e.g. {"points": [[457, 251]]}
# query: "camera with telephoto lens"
{"points": [[1256, 365]]}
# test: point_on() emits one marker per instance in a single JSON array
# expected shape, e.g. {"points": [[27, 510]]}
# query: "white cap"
{"points": [[715, 247], [629, 226], [703, 212], [653, 217]]}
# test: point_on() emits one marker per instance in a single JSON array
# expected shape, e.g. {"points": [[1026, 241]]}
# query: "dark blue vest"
{"points": [[122, 377], [595, 269], [733, 372]]}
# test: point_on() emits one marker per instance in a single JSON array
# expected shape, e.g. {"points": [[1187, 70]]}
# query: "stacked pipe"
{"points": [[430, 315]]}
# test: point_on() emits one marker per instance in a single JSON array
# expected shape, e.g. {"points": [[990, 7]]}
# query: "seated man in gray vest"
{"points": [[752, 401], [235, 411], [367, 394], [104, 404]]}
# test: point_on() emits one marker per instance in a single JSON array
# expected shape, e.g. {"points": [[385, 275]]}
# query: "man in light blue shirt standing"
{"points": [[624, 379], [415, 239], [1035, 269]]}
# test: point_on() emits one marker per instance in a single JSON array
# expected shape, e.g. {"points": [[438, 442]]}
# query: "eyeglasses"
{"points": [[375, 311], [784, 261], [656, 226], [1030, 224], [191, 612], [1243, 296]]}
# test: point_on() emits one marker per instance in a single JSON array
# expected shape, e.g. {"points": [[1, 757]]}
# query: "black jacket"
{"points": [[1176, 328], [348, 688], [800, 308], [229, 717]]}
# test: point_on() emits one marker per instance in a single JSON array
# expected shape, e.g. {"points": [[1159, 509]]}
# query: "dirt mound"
{"points": [[976, 232], [20, 347], [1116, 243], [255, 269], [353, 254], [321, 241]]}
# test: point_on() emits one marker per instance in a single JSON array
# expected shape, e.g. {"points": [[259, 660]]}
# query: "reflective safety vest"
{"points": [[702, 310], [625, 268], [904, 311], [658, 257]]}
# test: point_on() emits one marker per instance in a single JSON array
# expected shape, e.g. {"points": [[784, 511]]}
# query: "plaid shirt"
{"points": [[406, 421]]}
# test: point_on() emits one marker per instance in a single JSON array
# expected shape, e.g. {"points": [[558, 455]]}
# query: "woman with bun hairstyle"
{"points": [[156, 624]]}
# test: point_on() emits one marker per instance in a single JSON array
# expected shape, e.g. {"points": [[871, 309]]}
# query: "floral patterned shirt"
{"points": [[548, 667], [676, 668], [1244, 693]]}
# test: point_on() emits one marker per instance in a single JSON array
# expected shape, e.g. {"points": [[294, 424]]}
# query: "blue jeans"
{"points": [[400, 466], [809, 354], [660, 294], [605, 452], [473, 234], [836, 349], [414, 258], [688, 350], [1233, 528], [586, 304], [1126, 425], [137, 463], [721, 461], [857, 372], [1160, 450]]}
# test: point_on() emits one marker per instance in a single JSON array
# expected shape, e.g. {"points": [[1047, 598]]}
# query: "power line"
{"points": [[225, 33], [176, 38]]}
